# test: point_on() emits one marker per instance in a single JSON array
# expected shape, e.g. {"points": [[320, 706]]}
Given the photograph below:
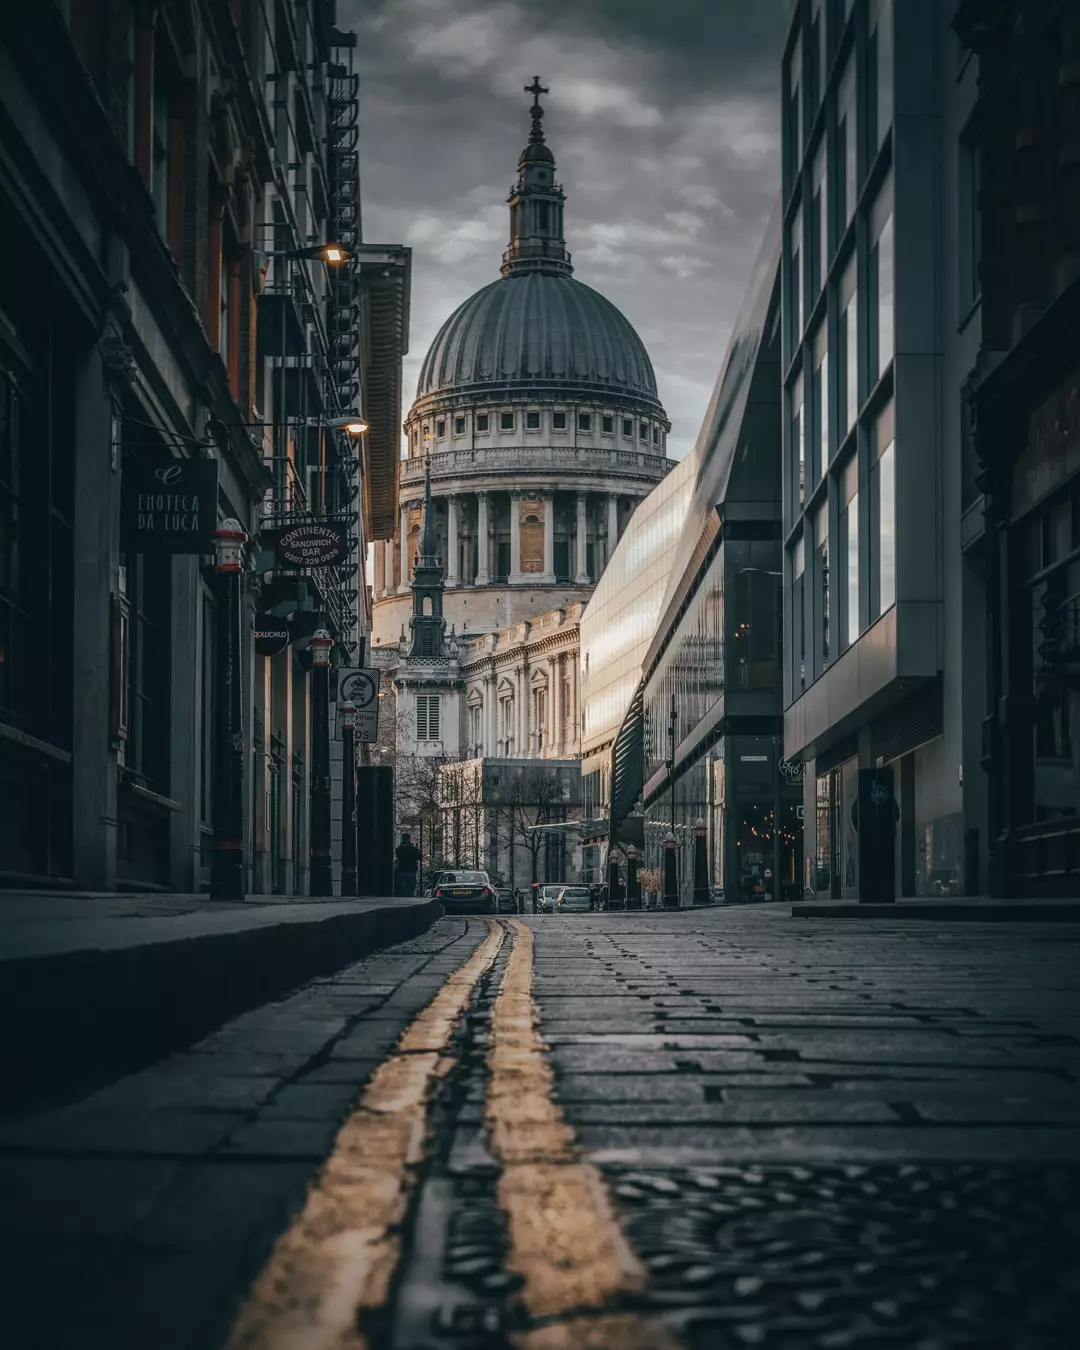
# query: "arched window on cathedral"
{"points": [[428, 605]]}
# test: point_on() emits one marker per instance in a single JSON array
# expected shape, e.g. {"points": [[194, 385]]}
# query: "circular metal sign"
{"points": [[359, 688], [879, 795], [311, 545], [271, 635]]}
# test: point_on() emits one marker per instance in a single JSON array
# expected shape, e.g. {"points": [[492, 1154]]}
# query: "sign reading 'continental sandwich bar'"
{"points": [[168, 507], [315, 543]]}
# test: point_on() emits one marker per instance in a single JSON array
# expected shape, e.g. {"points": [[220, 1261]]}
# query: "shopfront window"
{"points": [[1056, 672], [823, 843]]}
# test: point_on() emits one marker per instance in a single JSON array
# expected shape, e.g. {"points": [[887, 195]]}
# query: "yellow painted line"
{"points": [[564, 1240], [337, 1261]]}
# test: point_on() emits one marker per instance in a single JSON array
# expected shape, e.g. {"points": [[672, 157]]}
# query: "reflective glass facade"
{"points": [[620, 619]]}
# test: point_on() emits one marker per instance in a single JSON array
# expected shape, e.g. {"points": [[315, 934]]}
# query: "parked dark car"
{"points": [[507, 901], [465, 893]]}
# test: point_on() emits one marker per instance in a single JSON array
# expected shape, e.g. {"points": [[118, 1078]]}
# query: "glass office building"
{"points": [[713, 654], [880, 327]]}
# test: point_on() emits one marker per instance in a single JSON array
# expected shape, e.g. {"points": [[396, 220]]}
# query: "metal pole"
{"points": [[347, 715], [322, 876], [227, 860]]}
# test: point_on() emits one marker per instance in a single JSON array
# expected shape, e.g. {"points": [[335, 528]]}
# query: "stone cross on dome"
{"points": [[536, 112]]}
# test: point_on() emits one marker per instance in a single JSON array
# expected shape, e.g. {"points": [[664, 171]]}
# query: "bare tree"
{"points": [[537, 794]]}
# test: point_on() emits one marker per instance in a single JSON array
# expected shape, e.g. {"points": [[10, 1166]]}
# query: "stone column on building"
{"points": [[549, 539], [388, 567], [483, 576], [554, 710], [379, 583], [581, 576], [575, 712], [452, 576], [403, 577], [521, 737], [516, 577], [612, 523]]}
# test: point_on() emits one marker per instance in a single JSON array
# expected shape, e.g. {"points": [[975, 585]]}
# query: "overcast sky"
{"points": [[663, 116]]}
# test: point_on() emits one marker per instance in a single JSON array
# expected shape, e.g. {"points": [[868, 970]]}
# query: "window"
{"points": [[970, 240], [532, 421], [846, 170], [879, 63], [656, 435], [820, 67], [880, 276], [821, 583], [475, 714], [440, 428], [643, 430], [798, 450], [558, 421], [607, 424], [159, 147], [849, 545], [459, 426], [627, 426], [847, 355], [795, 281], [483, 421], [883, 515], [794, 111], [506, 421], [540, 716], [820, 449], [798, 620], [566, 704], [819, 258], [427, 717], [584, 421]]}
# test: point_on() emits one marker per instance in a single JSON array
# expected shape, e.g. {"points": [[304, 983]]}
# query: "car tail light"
{"points": [[438, 893], [487, 892]]}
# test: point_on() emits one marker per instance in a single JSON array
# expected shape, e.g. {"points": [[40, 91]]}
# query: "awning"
{"points": [[386, 276]]}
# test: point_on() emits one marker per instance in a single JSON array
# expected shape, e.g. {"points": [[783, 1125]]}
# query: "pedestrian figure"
{"points": [[406, 860], [519, 903]]}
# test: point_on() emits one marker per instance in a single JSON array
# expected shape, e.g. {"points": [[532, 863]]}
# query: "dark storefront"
{"points": [[36, 570], [1032, 747]]}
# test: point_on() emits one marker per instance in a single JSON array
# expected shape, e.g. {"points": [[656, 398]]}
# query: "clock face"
{"points": [[359, 688]]}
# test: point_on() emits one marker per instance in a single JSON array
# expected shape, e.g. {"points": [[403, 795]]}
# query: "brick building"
{"points": [[169, 170]]}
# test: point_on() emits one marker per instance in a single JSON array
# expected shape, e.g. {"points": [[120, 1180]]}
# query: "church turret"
{"points": [[428, 623], [537, 243]]}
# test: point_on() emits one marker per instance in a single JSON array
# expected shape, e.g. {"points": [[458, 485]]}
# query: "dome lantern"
{"points": [[536, 205]]}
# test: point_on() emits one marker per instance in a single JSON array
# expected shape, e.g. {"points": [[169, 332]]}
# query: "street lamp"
{"points": [[322, 877], [347, 719], [328, 253], [227, 859], [633, 890], [351, 424], [671, 877], [701, 865]]}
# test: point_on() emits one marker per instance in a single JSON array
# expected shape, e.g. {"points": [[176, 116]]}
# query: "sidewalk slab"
{"points": [[959, 910], [95, 986]]}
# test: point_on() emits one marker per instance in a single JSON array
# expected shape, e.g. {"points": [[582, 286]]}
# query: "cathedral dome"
{"points": [[535, 328]]}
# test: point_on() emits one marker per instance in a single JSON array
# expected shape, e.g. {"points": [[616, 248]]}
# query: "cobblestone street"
{"points": [[709, 1129]]}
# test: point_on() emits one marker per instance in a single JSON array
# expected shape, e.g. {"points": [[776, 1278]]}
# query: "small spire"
{"points": [[536, 204], [427, 551]]}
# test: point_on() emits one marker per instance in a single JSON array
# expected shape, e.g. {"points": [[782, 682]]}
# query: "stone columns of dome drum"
{"points": [[452, 577], [612, 523], [549, 540], [483, 577], [388, 566], [515, 578], [403, 579], [379, 584], [581, 576]]}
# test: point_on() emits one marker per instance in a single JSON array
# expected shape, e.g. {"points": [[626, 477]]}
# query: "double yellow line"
{"points": [[335, 1264]]}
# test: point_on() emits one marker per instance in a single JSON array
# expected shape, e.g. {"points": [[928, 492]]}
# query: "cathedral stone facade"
{"points": [[535, 431]]}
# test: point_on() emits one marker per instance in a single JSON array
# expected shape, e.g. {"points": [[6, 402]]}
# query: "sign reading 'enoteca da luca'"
{"points": [[169, 507], [314, 543]]}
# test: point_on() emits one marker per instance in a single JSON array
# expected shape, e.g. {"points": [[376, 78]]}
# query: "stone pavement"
{"points": [[812, 1135]]}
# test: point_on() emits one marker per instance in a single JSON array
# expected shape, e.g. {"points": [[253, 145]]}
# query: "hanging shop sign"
{"points": [[272, 634], [168, 507], [361, 687], [314, 543]]}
